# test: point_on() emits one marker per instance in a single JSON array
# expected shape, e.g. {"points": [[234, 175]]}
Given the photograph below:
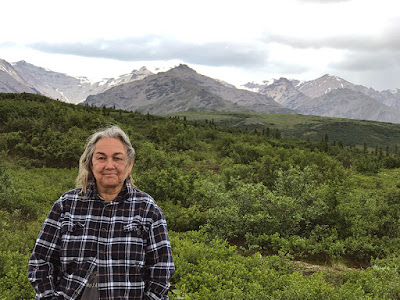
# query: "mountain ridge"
{"points": [[316, 97], [56, 85], [182, 88]]}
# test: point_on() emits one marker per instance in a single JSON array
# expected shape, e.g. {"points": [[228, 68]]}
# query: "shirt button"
{"points": [[103, 229]]}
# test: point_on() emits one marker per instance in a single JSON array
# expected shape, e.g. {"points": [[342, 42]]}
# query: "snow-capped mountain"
{"points": [[283, 92], [323, 85], [391, 98], [25, 77], [333, 96], [182, 89], [11, 82]]}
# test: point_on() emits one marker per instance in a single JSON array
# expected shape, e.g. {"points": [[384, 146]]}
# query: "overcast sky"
{"points": [[236, 40]]}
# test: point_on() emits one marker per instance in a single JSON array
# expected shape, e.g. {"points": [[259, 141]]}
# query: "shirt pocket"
{"points": [[136, 229], [134, 242], [72, 237], [72, 228]]}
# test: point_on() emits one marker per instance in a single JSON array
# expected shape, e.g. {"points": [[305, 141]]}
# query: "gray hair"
{"points": [[85, 174]]}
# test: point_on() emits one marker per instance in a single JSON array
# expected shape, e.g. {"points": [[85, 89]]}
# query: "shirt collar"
{"points": [[123, 195]]}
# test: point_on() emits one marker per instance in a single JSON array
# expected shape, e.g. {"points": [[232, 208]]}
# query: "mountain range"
{"points": [[24, 77], [332, 96], [183, 89]]}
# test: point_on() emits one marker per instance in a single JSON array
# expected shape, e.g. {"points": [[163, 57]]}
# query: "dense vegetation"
{"points": [[349, 132], [246, 209]]}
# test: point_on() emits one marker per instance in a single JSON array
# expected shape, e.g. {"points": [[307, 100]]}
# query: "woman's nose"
{"points": [[109, 163]]}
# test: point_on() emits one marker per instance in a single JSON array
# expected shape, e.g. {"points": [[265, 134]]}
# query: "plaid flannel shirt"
{"points": [[126, 240]]}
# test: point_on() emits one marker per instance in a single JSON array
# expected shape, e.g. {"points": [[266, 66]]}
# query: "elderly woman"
{"points": [[105, 239]]}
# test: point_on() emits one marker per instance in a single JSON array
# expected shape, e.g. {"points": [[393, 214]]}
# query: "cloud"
{"points": [[379, 70], [367, 61], [151, 48], [7, 44], [381, 38], [287, 68], [342, 42], [372, 57]]}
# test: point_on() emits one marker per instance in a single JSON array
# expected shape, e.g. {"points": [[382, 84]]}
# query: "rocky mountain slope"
{"points": [[283, 92], [182, 89], [333, 96], [11, 82], [25, 77], [350, 104]]}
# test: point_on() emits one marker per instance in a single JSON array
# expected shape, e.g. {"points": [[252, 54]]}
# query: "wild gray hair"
{"points": [[85, 174]]}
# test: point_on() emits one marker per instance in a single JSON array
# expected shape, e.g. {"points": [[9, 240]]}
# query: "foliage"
{"points": [[347, 132], [241, 205], [211, 269]]}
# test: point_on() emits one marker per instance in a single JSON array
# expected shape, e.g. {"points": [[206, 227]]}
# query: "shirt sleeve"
{"points": [[159, 262], [44, 262]]}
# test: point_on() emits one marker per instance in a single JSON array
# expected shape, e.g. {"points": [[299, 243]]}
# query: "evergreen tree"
{"points": [[277, 134], [324, 143], [365, 150]]}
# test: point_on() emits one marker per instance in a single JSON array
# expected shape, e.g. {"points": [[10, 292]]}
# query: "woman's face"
{"points": [[110, 164]]}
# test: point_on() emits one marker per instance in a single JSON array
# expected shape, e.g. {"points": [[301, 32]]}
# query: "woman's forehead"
{"points": [[110, 146]]}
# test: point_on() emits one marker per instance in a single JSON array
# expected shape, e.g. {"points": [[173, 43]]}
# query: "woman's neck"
{"points": [[108, 194]]}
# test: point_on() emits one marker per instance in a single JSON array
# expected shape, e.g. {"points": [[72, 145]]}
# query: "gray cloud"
{"points": [[151, 48], [368, 61], [382, 80], [387, 39], [379, 70]]}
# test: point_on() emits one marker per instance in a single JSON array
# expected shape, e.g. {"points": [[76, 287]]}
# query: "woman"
{"points": [[105, 239]]}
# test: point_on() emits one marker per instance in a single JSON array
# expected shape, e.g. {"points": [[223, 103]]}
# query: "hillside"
{"points": [[350, 104], [243, 208], [183, 89], [332, 96], [314, 128]]}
